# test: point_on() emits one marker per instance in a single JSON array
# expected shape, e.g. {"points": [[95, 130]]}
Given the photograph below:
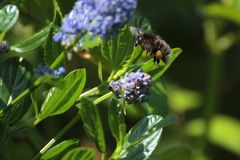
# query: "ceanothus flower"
{"points": [[44, 70], [97, 17], [4, 47], [133, 87]]}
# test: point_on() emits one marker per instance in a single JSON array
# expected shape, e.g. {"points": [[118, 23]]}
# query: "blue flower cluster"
{"points": [[133, 87], [98, 17], [44, 70], [4, 47]]}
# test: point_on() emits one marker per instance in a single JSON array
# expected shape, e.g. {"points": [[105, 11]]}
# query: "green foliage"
{"points": [[92, 123], [33, 42], [116, 50], [227, 137], [59, 100], [51, 48], [8, 17], [114, 55], [116, 121], [225, 12], [15, 77], [80, 154], [89, 43], [157, 103], [142, 139], [59, 149]]}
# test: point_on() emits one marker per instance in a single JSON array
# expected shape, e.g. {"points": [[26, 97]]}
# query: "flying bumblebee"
{"points": [[152, 44]]}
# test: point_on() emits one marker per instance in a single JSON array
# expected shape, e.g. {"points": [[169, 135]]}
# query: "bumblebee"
{"points": [[152, 44]]}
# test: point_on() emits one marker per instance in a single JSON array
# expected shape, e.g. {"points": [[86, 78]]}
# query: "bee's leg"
{"points": [[158, 60], [154, 59]]}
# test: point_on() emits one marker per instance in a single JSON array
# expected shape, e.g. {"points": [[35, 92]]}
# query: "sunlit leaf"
{"points": [[59, 100], [117, 50], [90, 42], [33, 42], [59, 149], [142, 139], [8, 17]]}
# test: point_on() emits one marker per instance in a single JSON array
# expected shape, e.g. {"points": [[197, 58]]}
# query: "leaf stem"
{"points": [[67, 127], [57, 137], [102, 156]]}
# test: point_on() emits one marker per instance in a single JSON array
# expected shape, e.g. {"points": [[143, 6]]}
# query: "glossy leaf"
{"points": [[33, 42], [142, 139], [8, 17], [59, 100], [59, 149], [51, 48], [117, 49], [92, 123], [15, 77], [80, 154], [116, 120]]}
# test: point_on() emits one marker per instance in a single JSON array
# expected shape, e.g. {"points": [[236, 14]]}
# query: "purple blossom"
{"points": [[98, 17], [44, 70], [133, 87], [4, 47]]}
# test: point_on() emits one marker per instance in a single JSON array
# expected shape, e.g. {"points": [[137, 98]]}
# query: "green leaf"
{"points": [[100, 76], [228, 13], [51, 48], [140, 22], [116, 121], [172, 151], [8, 17], [59, 149], [134, 56], [14, 78], [33, 42], [142, 139], [80, 154], [89, 42], [157, 103], [92, 123], [59, 100], [116, 50]]}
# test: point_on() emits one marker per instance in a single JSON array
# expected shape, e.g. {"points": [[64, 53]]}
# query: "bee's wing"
{"points": [[135, 31]]}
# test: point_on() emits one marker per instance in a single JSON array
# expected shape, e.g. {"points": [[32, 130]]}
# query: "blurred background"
{"points": [[202, 85]]}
